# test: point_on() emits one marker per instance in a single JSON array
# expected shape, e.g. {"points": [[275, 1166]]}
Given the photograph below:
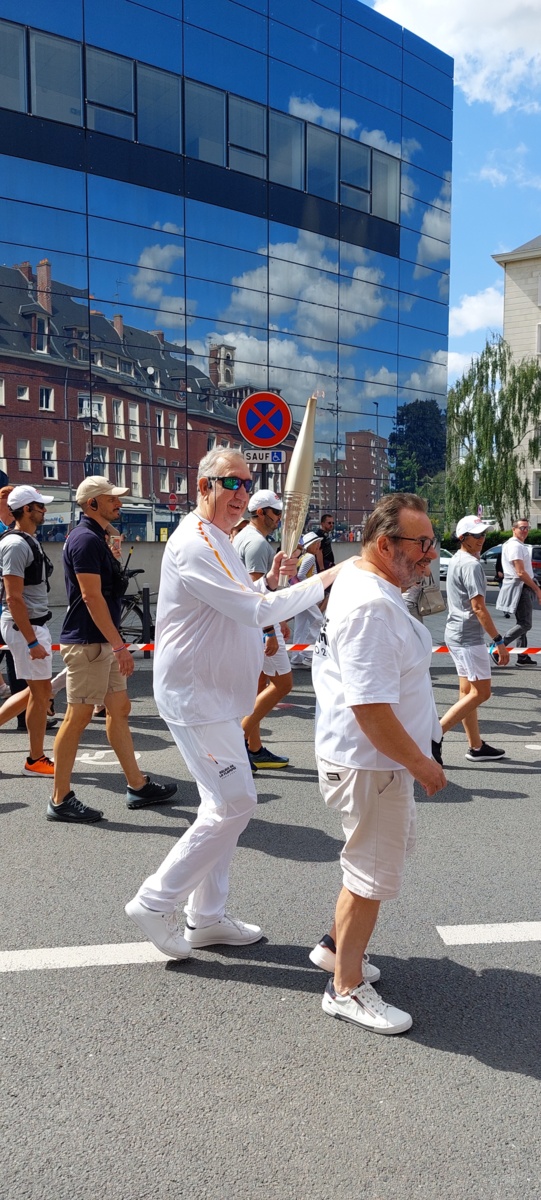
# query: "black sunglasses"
{"points": [[426, 543], [232, 483]]}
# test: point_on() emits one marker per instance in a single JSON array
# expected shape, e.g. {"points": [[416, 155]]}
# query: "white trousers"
{"points": [[307, 627], [196, 870]]}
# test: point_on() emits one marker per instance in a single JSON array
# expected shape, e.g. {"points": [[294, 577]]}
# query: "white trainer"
{"points": [[363, 1006], [324, 955], [227, 931], [162, 929]]}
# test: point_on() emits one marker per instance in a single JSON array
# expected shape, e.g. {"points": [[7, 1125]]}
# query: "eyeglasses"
{"points": [[523, 528], [426, 544], [475, 535], [232, 483]]}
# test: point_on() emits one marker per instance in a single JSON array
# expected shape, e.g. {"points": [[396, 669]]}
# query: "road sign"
{"points": [[265, 456], [173, 502], [264, 420]]}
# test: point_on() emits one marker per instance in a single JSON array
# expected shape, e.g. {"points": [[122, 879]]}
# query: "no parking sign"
{"points": [[264, 419]]}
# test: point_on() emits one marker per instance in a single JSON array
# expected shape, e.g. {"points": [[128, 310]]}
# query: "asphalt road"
{"points": [[220, 1078]]}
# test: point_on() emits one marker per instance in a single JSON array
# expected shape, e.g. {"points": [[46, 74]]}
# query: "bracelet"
{"points": [[270, 630], [497, 640], [119, 648], [32, 644]]}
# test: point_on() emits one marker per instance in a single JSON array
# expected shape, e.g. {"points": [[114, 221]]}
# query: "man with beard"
{"points": [[375, 722]]}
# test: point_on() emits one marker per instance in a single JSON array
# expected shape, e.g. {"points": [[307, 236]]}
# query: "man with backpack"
{"points": [[25, 571]]}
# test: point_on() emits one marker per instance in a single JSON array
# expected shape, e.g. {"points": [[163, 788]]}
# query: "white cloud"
{"points": [[495, 44], [458, 364], [510, 166], [484, 310]]}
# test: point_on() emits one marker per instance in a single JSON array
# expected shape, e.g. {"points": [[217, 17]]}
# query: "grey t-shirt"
{"points": [[465, 579], [255, 551], [15, 557]]}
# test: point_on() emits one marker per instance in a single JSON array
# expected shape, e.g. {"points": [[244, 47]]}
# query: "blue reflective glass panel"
{"points": [[421, 281], [229, 20], [293, 47], [416, 45], [247, 125], [308, 17], [22, 179], [371, 123], [422, 343], [371, 333], [109, 79], [300, 317], [426, 111], [286, 150], [103, 120], [368, 264], [248, 163], [64, 16], [385, 186], [68, 271], [423, 375], [371, 365], [217, 301], [301, 245], [297, 383], [321, 162], [292, 278], [426, 148], [158, 108], [204, 123], [236, 229], [208, 260], [425, 186], [425, 314], [56, 78], [436, 222], [12, 67], [370, 19], [148, 249], [135, 31], [420, 75], [367, 298], [369, 82], [135, 205], [424, 250], [355, 164], [224, 64], [303, 95], [361, 43], [35, 225]]}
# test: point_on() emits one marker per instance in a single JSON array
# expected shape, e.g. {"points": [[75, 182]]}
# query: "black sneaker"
{"points": [[265, 760], [524, 660], [151, 793], [437, 748], [249, 756], [485, 753], [73, 810]]}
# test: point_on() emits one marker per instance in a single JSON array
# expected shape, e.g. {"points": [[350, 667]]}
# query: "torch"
{"points": [[298, 487]]}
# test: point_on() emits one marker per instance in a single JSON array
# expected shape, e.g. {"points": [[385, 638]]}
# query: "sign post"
{"points": [[173, 502]]}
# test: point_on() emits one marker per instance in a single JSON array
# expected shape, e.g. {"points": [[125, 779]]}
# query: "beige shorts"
{"points": [[92, 673], [379, 821]]}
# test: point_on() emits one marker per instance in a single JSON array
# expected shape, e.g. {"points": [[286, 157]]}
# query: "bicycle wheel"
{"points": [[131, 621]]}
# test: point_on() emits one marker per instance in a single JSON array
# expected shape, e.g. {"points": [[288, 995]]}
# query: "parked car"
{"points": [[488, 560], [445, 556]]}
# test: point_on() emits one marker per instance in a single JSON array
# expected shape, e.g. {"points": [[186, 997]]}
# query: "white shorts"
{"points": [[279, 663], [379, 823], [26, 667], [471, 662]]}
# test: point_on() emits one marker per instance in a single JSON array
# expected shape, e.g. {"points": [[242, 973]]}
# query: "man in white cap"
{"points": [[25, 569], [276, 680], [467, 622], [97, 661], [518, 589]]}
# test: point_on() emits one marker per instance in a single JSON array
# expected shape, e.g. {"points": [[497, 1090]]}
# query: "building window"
{"points": [[48, 458], [12, 67], [286, 150], [164, 475], [96, 461], [118, 419], [120, 468], [23, 392], [93, 412], [158, 109], [3, 465], [135, 460], [385, 186], [355, 175], [247, 137], [173, 434], [204, 109], [321, 162], [42, 335], [133, 422], [160, 434], [56, 76], [211, 441], [23, 454], [109, 87], [46, 399], [181, 483], [2, 392]]}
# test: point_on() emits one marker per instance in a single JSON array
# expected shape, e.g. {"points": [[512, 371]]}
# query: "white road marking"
{"points": [[61, 957], [100, 758], [483, 935]]}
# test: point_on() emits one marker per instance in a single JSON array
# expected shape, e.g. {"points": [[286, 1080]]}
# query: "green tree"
{"points": [[417, 444], [493, 415]]}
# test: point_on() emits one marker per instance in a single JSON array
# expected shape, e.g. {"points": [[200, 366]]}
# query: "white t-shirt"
{"points": [[208, 644], [370, 651], [511, 551]]}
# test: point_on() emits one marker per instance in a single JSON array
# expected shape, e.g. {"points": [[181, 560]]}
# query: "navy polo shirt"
{"points": [[86, 553]]}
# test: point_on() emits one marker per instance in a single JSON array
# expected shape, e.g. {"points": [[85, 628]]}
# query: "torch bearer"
{"points": [[298, 487]]}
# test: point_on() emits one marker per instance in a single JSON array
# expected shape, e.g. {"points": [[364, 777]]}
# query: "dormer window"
{"points": [[42, 335]]}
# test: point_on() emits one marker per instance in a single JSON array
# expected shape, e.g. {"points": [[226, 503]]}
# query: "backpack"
{"points": [[40, 567]]}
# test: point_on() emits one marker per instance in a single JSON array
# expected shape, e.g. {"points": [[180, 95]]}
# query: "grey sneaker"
{"points": [[226, 932], [73, 811], [363, 1006], [485, 753], [150, 794], [324, 955], [162, 929]]}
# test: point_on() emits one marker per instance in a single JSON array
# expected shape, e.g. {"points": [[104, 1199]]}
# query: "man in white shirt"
{"points": [[207, 662], [375, 723], [517, 570]]}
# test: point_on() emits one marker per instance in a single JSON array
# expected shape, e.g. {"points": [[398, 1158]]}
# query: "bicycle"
{"points": [[131, 614]]}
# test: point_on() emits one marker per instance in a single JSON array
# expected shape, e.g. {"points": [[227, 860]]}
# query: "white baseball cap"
{"points": [[97, 485], [26, 495], [264, 499], [471, 524]]}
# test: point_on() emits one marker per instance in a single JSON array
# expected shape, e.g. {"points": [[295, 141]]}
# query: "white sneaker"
{"points": [[324, 955], [5, 691], [162, 929], [225, 932], [363, 1006]]}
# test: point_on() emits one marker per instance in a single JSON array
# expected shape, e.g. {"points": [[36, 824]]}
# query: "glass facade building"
{"points": [[204, 198]]}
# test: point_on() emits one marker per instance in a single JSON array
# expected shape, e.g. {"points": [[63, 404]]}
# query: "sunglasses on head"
{"points": [[232, 483]]}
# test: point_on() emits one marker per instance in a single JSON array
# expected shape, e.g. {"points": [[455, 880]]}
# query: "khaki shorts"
{"points": [[92, 673], [378, 819]]}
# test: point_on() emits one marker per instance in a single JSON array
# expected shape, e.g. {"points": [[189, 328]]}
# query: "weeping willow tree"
{"points": [[493, 433]]}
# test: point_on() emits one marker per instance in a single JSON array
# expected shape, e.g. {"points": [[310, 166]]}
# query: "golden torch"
{"points": [[298, 487]]}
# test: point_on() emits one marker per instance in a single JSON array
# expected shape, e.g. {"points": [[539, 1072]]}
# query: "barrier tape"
{"points": [[296, 646]]}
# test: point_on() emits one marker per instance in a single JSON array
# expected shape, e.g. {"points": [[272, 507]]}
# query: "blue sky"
{"points": [[496, 45]]}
